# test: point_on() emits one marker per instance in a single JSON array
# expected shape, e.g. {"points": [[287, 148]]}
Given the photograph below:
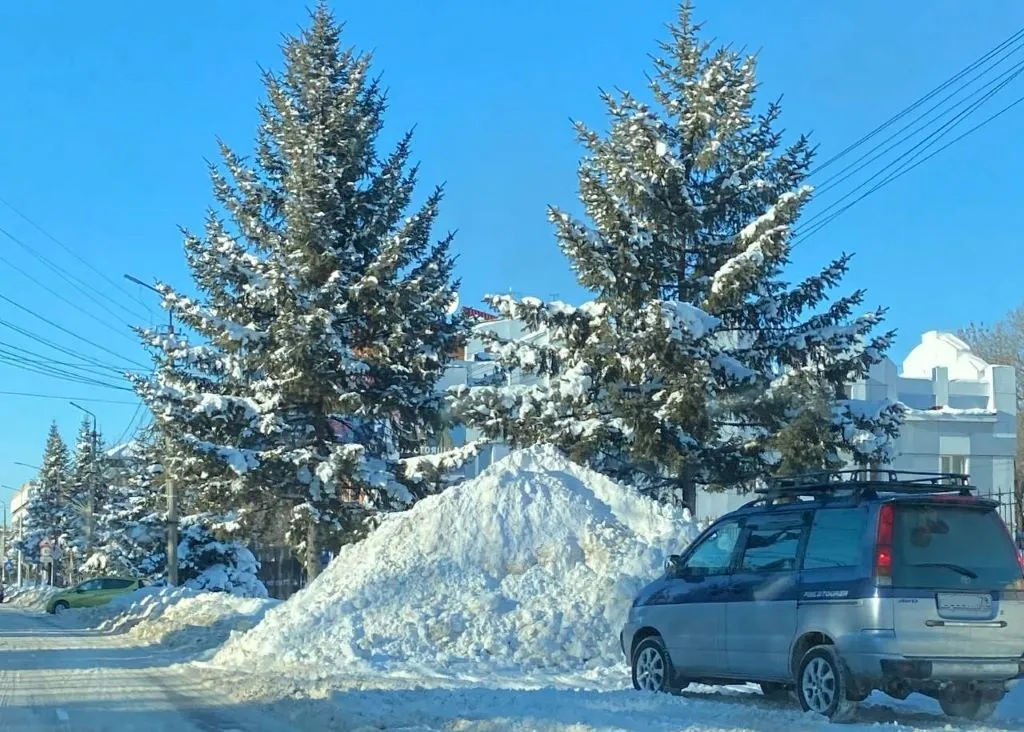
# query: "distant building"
{"points": [[961, 413], [961, 418]]}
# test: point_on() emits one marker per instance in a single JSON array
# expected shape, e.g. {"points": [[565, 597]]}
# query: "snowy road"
{"points": [[55, 678]]}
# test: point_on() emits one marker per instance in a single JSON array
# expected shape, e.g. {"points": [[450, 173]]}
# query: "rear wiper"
{"points": [[955, 567]]}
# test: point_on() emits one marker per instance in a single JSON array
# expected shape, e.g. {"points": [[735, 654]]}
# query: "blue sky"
{"points": [[110, 109]]}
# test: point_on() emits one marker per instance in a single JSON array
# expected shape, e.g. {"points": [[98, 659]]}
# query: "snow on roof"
{"points": [[939, 349], [532, 564], [123, 451]]}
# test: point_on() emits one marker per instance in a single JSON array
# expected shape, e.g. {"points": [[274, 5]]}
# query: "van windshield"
{"points": [[952, 548]]}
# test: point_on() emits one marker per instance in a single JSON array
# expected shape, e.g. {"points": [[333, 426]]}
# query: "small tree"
{"points": [[696, 362], [47, 513]]}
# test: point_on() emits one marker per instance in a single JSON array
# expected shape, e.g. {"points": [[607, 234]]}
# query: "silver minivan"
{"points": [[836, 585]]}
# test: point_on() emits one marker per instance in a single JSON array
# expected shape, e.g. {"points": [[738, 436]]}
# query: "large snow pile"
{"points": [[532, 564], [34, 597]]}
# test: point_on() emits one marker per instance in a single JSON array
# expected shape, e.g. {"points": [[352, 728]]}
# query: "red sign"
{"points": [[478, 314]]}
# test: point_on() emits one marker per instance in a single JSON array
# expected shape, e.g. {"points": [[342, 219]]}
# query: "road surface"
{"points": [[56, 678]]}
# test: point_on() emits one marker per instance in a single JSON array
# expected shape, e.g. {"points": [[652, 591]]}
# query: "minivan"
{"points": [[835, 585]]}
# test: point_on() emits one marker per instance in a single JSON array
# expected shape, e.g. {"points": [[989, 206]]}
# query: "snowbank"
{"points": [[34, 598], [174, 617], [533, 564]]}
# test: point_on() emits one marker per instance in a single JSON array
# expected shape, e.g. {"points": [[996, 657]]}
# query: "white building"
{"points": [[961, 417], [961, 414]]}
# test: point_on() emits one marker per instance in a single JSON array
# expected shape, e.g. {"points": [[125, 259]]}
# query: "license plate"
{"points": [[965, 605]]}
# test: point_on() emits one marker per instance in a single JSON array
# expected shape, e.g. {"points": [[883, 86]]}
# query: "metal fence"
{"points": [[1012, 512]]}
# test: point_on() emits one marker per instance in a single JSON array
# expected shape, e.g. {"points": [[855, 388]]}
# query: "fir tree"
{"points": [[130, 528], [85, 489], [47, 513], [695, 362], [323, 307]]}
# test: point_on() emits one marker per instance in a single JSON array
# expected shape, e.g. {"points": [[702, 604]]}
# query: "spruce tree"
{"points": [[310, 357], [85, 489], [130, 521], [695, 362], [47, 513]]}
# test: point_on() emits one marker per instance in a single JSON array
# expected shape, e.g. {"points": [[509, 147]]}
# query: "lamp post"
{"points": [[172, 493]]}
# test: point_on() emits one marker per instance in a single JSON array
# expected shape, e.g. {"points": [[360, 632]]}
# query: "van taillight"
{"points": [[883, 544]]}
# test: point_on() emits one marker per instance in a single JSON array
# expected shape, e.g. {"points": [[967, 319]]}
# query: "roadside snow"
{"points": [[531, 565], [174, 617], [33, 598]]}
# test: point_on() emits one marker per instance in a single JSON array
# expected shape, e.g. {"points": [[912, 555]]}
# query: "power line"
{"points": [[57, 347], [61, 297], [70, 332], [112, 282], [839, 176], [33, 395], [1019, 34], [906, 156], [56, 373], [33, 357], [900, 173], [74, 281]]}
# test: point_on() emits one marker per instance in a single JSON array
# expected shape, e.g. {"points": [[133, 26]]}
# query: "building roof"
{"points": [[939, 349]]}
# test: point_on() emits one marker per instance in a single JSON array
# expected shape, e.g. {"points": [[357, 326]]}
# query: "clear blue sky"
{"points": [[110, 108]]}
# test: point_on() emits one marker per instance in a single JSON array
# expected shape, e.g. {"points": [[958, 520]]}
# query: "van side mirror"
{"points": [[674, 566]]}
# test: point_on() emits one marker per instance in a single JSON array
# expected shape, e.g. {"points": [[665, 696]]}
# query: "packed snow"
{"points": [[533, 564]]}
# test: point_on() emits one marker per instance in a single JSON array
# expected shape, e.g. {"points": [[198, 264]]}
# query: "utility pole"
{"points": [[169, 484]]}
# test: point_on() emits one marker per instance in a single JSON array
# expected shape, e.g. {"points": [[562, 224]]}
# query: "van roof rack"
{"points": [[857, 483]]}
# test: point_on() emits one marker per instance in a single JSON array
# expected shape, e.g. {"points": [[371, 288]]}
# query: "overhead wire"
{"points": [[36, 395], [70, 332], [38, 227], [1014, 37], [906, 169], [28, 275], [911, 158]]}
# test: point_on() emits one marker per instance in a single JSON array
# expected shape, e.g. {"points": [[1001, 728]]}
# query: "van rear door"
{"points": [[957, 584]]}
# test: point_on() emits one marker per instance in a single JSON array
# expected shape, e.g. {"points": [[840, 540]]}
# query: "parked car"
{"points": [[92, 592], [837, 585]]}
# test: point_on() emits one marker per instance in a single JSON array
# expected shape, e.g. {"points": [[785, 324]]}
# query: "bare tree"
{"points": [[1003, 343]]}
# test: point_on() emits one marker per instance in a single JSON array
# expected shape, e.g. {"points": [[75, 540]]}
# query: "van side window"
{"points": [[772, 549], [837, 538], [714, 554]]}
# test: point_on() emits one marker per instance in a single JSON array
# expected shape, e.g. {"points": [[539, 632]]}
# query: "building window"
{"points": [[953, 464]]}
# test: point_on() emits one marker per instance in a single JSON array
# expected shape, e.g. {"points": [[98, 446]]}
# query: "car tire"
{"points": [[59, 608], [973, 708], [652, 668], [823, 685]]}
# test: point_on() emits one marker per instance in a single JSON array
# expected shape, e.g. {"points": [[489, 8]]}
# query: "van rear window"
{"points": [[947, 547]]}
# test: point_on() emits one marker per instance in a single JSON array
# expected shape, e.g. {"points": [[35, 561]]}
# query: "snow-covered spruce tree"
{"points": [[130, 531], [323, 309], [84, 490], [695, 362], [47, 514]]}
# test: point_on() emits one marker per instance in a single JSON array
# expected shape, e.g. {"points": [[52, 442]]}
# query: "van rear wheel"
{"points": [[971, 707], [823, 685]]}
